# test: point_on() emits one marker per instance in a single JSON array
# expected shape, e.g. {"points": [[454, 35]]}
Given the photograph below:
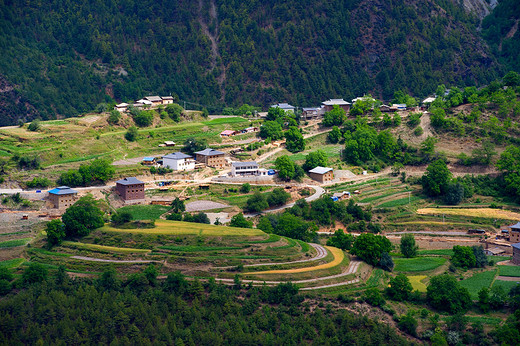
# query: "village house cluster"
{"points": [[310, 113], [148, 101]]}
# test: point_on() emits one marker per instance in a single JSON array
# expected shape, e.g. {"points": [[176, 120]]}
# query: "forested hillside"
{"points": [[500, 29], [66, 57]]}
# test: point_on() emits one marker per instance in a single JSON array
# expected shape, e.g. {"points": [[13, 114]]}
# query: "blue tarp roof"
{"points": [[63, 190]]}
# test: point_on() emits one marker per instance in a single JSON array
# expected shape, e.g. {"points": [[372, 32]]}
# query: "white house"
{"points": [[246, 168], [179, 162], [285, 106]]}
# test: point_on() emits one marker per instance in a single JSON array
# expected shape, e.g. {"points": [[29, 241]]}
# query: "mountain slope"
{"points": [[67, 56]]}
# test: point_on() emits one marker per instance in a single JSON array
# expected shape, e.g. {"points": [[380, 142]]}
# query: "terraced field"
{"points": [[201, 250]]}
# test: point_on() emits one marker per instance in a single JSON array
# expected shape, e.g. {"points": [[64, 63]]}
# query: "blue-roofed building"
{"points": [[62, 197], [148, 161]]}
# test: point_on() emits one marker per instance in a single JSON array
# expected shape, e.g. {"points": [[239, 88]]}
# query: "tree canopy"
{"points": [[370, 247], [445, 293], [437, 178], [314, 159], [82, 217]]}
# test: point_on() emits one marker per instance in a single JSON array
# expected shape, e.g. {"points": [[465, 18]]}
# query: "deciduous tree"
{"points": [[408, 247], [82, 217]]}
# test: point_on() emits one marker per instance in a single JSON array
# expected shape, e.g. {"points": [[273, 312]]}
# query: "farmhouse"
{"points": [[166, 100], [179, 162], [155, 100], [341, 195], [122, 107], [148, 161], [322, 174], [227, 133], [143, 102], [211, 157], [516, 253], [130, 189], [62, 197], [495, 251], [399, 106], [428, 100], [311, 112], [329, 104], [247, 168], [514, 233], [285, 106]]}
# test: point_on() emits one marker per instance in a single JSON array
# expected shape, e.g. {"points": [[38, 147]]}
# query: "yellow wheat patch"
{"points": [[338, 254], [476, 212], [417, 284]]}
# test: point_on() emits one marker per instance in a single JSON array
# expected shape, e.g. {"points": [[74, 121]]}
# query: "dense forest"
{"points": [[500, 29], [142, 310], [66, 57]]}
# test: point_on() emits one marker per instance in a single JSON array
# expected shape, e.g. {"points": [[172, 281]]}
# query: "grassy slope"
{"points": [[77, 139], [188, 228]]}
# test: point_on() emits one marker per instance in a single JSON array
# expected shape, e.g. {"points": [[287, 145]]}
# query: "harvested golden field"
{"points": [[188, 228], [472, 212], [338, 254]]}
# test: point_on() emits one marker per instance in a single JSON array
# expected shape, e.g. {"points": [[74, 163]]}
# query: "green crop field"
{"points": [[194, 248], [102, 248], [506, 285], [375, 278], [188, 228], [375, 198], [12, 263], [145, 212], [509, 271], [479, 280], [440, 252], [399, 202], [14, 243], [418, 264]]}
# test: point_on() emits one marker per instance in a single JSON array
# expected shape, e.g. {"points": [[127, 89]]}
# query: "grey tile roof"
{"points": [[129, 181], [283, 106], [209, 151], [517, 225], [176, 156], [516, 246], [320, 170], [153, 98]]}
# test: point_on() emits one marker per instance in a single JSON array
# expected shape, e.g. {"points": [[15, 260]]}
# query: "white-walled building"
{"points": [[247, 168], [179, 162]]}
